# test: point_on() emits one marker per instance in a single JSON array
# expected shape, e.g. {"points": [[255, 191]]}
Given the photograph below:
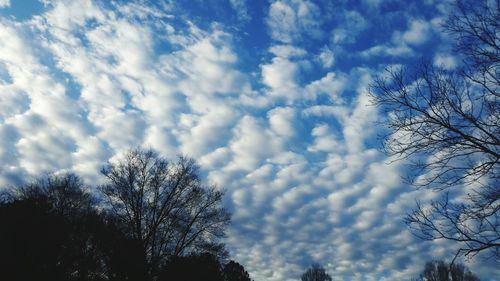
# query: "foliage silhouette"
{"points": [[193, 268], [315, 273], [234, 271], [31, 238], [49, 232], [204, 266]]}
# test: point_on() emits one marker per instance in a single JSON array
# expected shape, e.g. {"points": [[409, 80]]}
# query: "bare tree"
{"points": [[438, 270], [435, 271], [67, 193], [315, 273], [458, 272], [447, 124], [165, 206]]}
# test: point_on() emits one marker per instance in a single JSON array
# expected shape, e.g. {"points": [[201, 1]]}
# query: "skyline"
{"points": [[269, 97]]}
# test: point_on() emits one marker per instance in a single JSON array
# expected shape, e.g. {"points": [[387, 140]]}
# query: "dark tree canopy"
{"points": [[193, 268], [234, 271], [203, 266], [438, 270], [447, 124], [24, 224], [150, 216], [66, 193], [315, 273], [51, 231]]}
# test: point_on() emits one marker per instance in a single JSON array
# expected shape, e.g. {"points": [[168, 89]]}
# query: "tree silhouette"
{"points": [[66, 194], [122, 255], [315, 273], [48, 232], [193, 268], [52, 231], [204, 266], [458, 272], [158, 221], [164, 206], [30, 241], [447, 123], [234, 271], [438, 270]]}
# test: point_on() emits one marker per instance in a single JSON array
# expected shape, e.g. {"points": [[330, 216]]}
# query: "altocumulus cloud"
{"points": [[271, 101]]}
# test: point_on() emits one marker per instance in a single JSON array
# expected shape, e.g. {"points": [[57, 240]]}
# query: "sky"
{"points": [[270, 98]]}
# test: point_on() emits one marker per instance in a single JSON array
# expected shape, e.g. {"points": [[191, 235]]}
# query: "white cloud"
{"points": [[280, 76], [417, 33], [282, 22], [328, 111], [10, 171], [325, 141], [205, 132], [4, 3], [160, 139], [215, 158], [120, 129], [283, 122], [330, 85], [68, 15], [37, 137], [445, 61], [250, 145], [287, 51], [240, 6], [326, 57], [89, 156], [352, 24], [288, 21], [400, 45], [360, 124], [12, 102], [399, 50]]}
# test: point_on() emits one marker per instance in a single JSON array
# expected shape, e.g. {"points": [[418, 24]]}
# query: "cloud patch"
{"points": [[4, 3], [289, 21]]}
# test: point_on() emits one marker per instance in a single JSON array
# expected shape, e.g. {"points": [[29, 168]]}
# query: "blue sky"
{"points": [[270, 97]]}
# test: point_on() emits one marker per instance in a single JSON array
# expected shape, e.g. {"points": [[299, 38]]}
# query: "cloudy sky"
{"points": [[269, 96]]}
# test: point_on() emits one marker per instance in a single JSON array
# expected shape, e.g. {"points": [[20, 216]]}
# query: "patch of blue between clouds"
{"points": [[22, 9]]}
